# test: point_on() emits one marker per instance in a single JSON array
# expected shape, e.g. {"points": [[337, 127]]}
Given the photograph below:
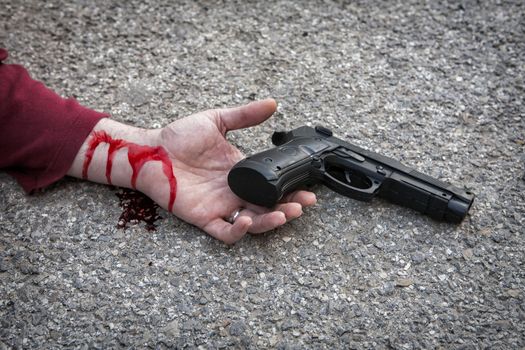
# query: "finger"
{"points": [[248, 115], [291, 210], [305, 198], [263, 221], [226, 232]]}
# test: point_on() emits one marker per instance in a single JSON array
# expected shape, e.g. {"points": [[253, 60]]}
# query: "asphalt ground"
{"points": [[436, 85]]}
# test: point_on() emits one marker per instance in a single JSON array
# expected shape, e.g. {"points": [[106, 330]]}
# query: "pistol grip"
{"points": [[264, 178]]}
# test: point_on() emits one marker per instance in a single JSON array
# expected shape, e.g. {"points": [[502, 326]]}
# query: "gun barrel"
{"points": [[458, 209], [445, 203]]}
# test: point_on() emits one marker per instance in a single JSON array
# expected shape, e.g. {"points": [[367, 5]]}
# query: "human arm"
{"points": [[44, 137]]}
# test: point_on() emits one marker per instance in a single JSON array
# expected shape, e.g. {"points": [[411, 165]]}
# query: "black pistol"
{"points": [[306, 156]]}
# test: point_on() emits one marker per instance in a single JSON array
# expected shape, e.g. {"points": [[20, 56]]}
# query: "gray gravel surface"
{"points": [[437, 85]]}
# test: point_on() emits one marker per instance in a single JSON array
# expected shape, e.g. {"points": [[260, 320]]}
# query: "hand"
{"points": [[201, 158]]}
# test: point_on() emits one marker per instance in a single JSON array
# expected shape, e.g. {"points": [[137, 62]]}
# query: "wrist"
{"points": [[103, 157]]}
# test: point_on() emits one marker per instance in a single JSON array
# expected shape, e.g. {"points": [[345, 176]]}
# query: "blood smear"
{"points": [[138, 155]]}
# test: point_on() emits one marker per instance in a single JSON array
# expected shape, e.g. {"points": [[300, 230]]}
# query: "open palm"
{"points": [[202, 158]]}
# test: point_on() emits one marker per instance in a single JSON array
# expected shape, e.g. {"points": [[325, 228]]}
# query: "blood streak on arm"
{"points": [[114, 146], [97, 138], [138, 155]]}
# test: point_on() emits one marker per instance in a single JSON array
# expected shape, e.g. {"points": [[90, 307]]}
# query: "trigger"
{"points": [[347, 176]]}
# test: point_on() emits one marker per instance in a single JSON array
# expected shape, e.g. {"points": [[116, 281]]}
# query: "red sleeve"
{"points": [[40, 132]]}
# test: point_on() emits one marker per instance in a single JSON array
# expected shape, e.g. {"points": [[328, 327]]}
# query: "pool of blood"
{"points": [[136, 208]]}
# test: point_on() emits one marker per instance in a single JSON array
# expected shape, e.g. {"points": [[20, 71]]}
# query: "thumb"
{"points": [[248, 115]]}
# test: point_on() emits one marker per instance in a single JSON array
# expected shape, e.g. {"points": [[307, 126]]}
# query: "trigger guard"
{"points": [[362, 194]]}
